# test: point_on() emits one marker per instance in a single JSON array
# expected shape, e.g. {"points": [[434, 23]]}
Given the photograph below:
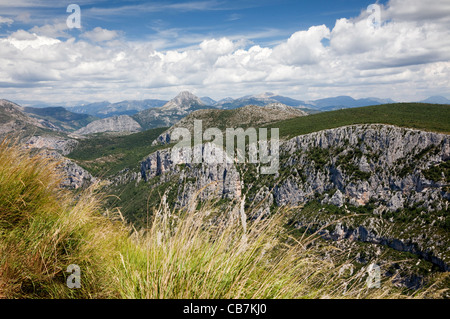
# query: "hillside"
{"points": [[60, 117], [428, 117], [12, 119], [171, 112], [247, 116], [104, 154], [44, 230], [15, 122], [389, 184], [120, 123]]}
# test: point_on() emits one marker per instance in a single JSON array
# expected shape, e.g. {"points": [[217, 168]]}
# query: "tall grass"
{"points": [[201, 254], [44, 229], [192, 253]]}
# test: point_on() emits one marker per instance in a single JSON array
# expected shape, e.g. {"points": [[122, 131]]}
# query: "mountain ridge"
{"points": [[244, 117]]}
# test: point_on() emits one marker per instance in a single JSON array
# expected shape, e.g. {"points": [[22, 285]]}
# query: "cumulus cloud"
{"points": [[22, 39], [99, 35], [406, 58], [417, 10], [57, 30], [303, 47]]}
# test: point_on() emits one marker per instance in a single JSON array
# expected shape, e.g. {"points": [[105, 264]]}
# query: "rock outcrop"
{"points": [[201, 180], [63, 145], [73, 176], [378, 163], [121, 123], [379, 166], [382, 164]]}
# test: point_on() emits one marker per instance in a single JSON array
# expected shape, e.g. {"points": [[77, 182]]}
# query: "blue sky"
{"points": [[262, 21], [153, 49]]}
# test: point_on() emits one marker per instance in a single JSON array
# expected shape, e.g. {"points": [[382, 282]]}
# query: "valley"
{"points": [[373, 180]]}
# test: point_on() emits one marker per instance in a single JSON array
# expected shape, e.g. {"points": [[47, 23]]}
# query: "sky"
{"points": [[129, 49]]}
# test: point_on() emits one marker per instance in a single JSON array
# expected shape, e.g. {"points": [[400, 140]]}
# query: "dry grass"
{"points": [[193, 253]]}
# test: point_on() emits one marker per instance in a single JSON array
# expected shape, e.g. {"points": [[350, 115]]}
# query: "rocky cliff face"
{"points": [[63, 145], [379, 163], [73, 176], [361, 163], [220, 180], [121, 123], [398, 176]]}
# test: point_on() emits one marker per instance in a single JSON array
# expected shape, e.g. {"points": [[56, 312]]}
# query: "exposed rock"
{"points": [[381, 164], [63, 145], [361, 163], [183, 101], [396, 202], [121, 123], [220, 180], [365, 162], [74, 176], [337, 199]]}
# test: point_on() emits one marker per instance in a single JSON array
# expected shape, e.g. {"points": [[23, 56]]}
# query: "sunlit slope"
{"points": [[428, 117]]}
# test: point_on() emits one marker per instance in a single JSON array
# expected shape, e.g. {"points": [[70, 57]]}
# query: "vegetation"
{"points": [[43, 231], [404, 225], [106, 154], [439, 172], [59, 116], [428, 117], [181, 254]]}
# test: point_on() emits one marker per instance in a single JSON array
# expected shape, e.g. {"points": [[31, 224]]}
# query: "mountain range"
{"points": [[312, 106], [244, 117], [140, 115], [385, 168], [107, 109], [131, 107]]}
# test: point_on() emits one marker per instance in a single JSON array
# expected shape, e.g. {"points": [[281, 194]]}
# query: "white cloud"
{"points": [[418, 10], [217, 47], [7, 21], [303, 47], [55, 30], [22, 39], [406, 58], [99, 35]]}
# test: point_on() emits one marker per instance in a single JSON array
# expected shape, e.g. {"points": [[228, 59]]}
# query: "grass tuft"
{"points": [[193, 253]]}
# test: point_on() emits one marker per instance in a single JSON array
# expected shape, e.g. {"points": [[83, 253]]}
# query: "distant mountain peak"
{"points": [[285, 108], [265, 95], [436, 99], [183, 101], [8, 104], [13, 118], [208, 101]]}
